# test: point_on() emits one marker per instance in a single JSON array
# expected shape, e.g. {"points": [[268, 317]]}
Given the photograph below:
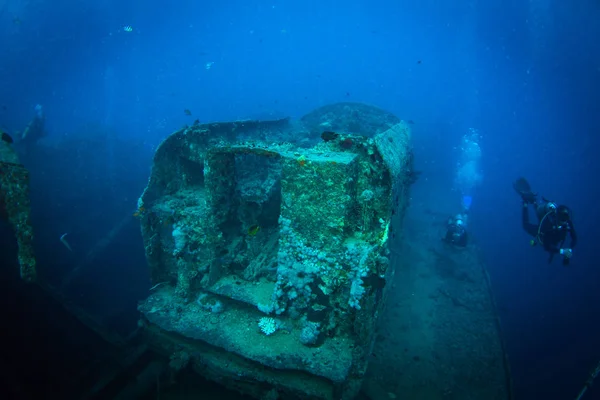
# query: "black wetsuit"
{"points": [[549, 232], [456, 235]]}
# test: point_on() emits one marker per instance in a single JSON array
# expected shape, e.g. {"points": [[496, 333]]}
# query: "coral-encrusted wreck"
{"points": [[270, 260], [15, 207]]}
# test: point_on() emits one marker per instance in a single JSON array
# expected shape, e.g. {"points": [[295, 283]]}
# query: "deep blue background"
{"points": [[526, 74]]}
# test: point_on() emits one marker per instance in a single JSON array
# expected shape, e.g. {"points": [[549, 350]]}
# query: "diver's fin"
{"points": [[524, 189], [522, 186]]}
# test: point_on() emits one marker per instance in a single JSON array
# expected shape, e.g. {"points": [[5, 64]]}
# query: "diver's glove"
{"points": [[567, 253]]}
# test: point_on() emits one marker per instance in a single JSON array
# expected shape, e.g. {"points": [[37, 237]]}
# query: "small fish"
{"points": [[127, 28], [187, 112], [347, 143], [138, 213], [253, 230], [6, 137], [328, 136], [419, 62]]}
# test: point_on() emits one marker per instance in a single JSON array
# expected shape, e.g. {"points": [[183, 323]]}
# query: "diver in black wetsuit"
{"points": [[35, 130], [456, 231], [554, 223]]}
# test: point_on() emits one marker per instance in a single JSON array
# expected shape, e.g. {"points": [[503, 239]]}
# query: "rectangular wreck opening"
{"points": [[258, 189], [191, 173], [173, 173], [250, 226]]}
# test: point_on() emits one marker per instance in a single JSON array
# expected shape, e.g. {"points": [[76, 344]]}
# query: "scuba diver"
{"points": [[456, 232], [456, 228], [35, 129], [554, 222]]}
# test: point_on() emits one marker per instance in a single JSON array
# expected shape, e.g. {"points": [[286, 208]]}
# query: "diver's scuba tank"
{"points": [[543, 210]]}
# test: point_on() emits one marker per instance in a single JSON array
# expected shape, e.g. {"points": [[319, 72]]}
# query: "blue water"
{"points": [[524, 74]]}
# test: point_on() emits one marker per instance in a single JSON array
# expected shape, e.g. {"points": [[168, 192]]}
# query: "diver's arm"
{"points": [[529, 227], [573, 234], [568, 253]]}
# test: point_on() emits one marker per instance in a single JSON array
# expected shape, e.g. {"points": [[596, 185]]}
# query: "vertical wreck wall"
{"points": [[15, 207]]}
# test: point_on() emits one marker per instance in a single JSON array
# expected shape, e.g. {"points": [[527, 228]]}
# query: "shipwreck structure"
{"points": [[15, 205], [270, 260], [272, 247]]}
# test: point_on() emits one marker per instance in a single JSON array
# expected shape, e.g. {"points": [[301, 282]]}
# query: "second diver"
{"points": [[554, 223]]}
